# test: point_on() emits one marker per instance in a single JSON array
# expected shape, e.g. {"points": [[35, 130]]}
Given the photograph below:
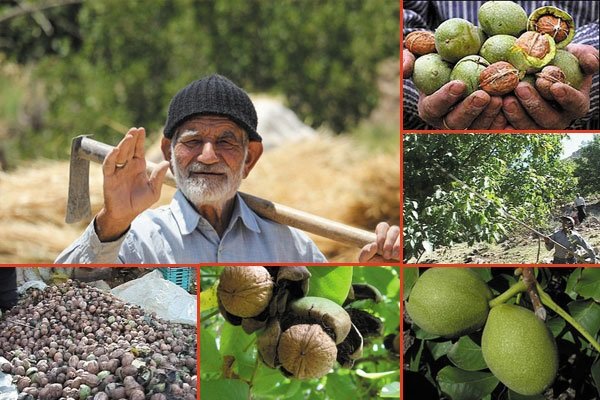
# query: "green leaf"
{"points": [[410, 276], [596, 374], [587, 313], [466, 354], [332, 283], [390, 391], [439, 349], [484, 273], [210, 358], [466, 385], [556, 325], [571, 282], [269, 381], [340, 387], [224, 389], [235, 342], [208, 298], [588, 285]]}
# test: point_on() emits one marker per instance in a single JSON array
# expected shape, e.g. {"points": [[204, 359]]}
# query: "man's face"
{"points": [[208, 157], [566, 224]]}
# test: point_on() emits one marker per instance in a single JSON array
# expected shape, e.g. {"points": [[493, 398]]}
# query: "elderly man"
{"points": [[570, 239], [211, 141]]}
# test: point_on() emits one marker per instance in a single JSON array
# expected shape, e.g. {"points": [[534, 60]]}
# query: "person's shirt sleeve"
{"points": [[88, 249], [583, 243], [415, 16], [550, 245], [589, 34]]}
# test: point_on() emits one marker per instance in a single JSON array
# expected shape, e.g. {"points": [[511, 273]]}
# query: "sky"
{"points": [[575, 142]]}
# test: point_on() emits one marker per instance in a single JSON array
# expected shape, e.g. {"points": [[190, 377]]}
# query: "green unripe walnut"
{"points": [[457, 38], [467, 70], [449, 301], [569, 64], [497, 47], [502, 18], [431, 73], [519, 349], [532, 51], [555, 22]]}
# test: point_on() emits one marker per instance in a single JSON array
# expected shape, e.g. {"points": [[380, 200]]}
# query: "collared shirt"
{"points": [[179, 234], [570, 242], [579, 201]]}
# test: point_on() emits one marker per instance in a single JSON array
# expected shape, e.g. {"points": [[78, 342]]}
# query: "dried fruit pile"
{"points": [[301, 335], [507, 48], [74, 341]]}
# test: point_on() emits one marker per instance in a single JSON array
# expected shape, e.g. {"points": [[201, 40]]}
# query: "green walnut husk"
{"points": [[457, 38], [502, 18], [430, 73], [467, 70], [561, 28], [522, 57], [497, 47], [569, 64]]}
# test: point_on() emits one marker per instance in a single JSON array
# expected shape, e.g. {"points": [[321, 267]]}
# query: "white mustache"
{"points": [[205, 169]]}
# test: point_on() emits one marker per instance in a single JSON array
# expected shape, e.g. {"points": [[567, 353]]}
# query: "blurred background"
{"points": [[324, 77]]}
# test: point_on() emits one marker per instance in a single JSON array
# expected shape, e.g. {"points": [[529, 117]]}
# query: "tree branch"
{"points": [[23, 9], [530, 282]]}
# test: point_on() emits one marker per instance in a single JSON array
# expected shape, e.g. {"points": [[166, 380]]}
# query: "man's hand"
{"points": [[127, 189], [446, 108], [386, 248], [528, 110]]}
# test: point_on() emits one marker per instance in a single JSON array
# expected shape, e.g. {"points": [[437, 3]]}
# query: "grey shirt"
{"points": [[570, 242], [178, 234]]}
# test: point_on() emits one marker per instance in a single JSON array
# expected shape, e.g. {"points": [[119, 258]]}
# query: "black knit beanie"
{"points": [[216, 95]]}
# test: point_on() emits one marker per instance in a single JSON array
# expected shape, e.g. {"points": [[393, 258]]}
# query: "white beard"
{"points": [[201, 190]]}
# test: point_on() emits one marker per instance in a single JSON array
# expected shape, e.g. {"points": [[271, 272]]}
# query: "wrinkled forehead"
{"points": [[209, 125]]}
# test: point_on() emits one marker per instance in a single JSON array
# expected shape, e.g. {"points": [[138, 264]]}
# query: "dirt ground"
{"points": [[523, 247]]}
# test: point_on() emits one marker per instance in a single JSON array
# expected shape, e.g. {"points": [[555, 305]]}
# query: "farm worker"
{"points": [[8, 288], [580, 204], [570, 239], [211, 143], [449, 108]]}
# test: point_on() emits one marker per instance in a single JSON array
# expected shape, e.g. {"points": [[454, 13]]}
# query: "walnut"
{"points": [[546, 78], [420, 42], [306, 351], [245, 291], [534, 44], [499, 78]]}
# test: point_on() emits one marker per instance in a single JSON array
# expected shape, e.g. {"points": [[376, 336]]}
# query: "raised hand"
{"points": [[127, 188]]}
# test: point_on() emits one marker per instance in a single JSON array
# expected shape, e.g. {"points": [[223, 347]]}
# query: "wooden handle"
{"points": [[96, 151]]}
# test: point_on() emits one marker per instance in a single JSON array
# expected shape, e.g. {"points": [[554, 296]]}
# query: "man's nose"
{"points": [[208, 154]]}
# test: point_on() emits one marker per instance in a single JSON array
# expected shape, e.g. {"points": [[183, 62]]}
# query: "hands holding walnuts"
{"points": [[525, 108]]}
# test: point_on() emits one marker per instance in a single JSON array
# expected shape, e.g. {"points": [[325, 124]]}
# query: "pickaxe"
{"points": [[84, 150]]}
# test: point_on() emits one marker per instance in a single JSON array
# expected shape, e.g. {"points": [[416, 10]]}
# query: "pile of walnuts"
{"points": [[73, 341], [301, 335]]}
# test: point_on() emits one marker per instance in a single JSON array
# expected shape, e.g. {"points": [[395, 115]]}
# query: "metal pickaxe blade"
{"points": [[84, 150]]}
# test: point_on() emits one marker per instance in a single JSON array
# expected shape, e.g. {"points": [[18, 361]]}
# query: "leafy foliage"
{"points": [[229, 362], [588, 167], [454, 369], [124, 60], [522, 174]]}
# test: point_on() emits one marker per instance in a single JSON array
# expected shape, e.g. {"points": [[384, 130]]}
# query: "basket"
{"points": [[180, 276]]}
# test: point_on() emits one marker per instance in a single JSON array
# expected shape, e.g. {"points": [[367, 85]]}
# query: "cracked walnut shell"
{"points": [[245, 291]]}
